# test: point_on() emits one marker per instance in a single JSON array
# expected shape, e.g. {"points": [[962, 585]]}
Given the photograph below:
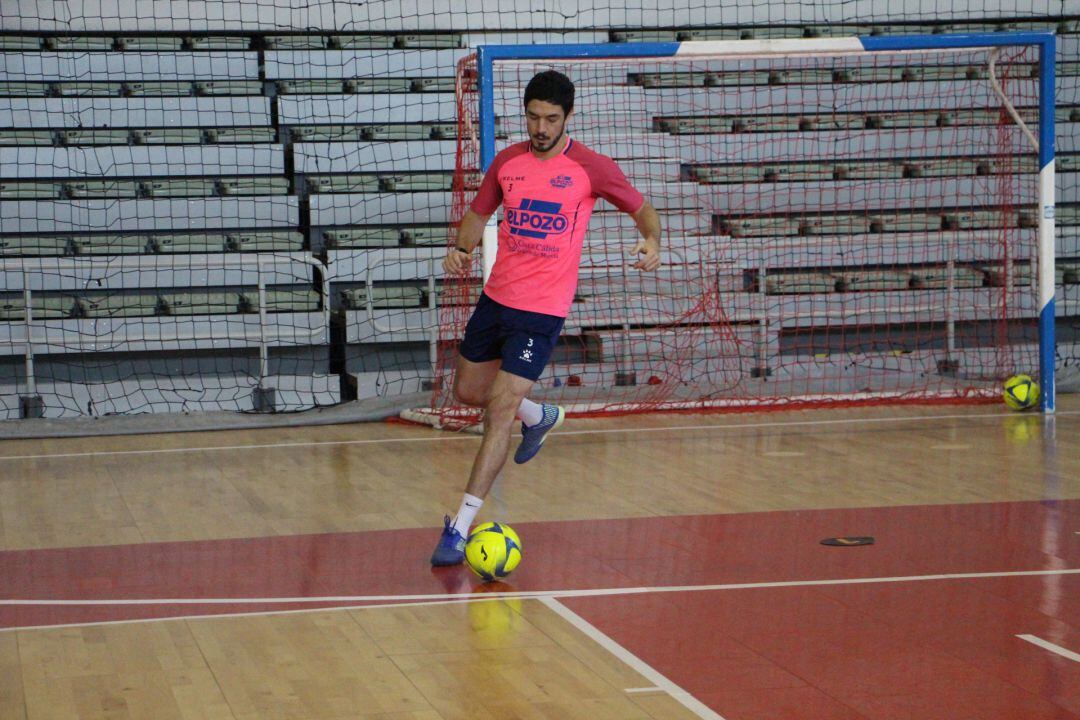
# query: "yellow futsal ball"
{"points": [[1021, 392], [493, 550]]}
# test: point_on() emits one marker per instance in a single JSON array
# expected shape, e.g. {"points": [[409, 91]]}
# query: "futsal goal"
{"points": [[845, 220]]}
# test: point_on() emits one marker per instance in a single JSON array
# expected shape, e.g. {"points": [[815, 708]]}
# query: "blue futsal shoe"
{"points": [[451, 547], [533, 436]]}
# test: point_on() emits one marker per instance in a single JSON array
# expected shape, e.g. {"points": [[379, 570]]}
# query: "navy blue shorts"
{"points": [[523, 340]]}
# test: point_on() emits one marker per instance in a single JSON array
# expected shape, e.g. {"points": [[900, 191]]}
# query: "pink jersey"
{"points": [[547, 205]]}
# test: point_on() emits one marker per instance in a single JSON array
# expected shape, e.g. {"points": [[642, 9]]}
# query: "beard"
{"points": [[543, 146]]}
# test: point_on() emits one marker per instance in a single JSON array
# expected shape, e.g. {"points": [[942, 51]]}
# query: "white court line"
{"points": [[375, 602], [1047, 645], [644, 689], [263, 613], [524, 595], [647, 671], [450, 437]]}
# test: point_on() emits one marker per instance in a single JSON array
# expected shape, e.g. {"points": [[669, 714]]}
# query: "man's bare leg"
{"points": [[473, 381], [503, 397]]}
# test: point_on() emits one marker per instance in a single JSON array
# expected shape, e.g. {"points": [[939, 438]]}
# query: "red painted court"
{"points": [[747, 613]]}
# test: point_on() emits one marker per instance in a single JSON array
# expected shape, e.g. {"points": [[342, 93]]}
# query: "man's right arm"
{"points": [[470, 233], [471, 230]]}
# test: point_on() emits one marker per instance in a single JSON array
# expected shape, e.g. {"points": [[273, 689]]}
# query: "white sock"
{"points": [[529, 412], [470, 505]]}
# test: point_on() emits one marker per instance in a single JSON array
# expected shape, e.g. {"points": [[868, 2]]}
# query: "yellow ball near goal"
{"points": [[1021, 392]]}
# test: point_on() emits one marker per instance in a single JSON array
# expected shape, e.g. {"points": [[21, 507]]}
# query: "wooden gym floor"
{"points": [[672, 569]]}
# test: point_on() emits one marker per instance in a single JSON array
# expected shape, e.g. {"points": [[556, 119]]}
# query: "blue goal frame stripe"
{"points": [[1045, 41]]}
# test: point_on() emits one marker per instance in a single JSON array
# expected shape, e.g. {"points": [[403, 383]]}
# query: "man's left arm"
{"points": [[648, 224]]}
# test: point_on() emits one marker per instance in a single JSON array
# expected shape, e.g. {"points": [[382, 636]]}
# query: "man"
{"points": [[547, 186]]}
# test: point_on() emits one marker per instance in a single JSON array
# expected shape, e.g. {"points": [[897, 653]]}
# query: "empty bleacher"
{"points": [[320, 164], [140, 120], [148, 299], [141, 171], [182, 304]]}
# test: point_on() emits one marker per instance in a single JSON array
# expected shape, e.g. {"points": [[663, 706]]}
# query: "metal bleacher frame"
{"points": [[161, 327]]}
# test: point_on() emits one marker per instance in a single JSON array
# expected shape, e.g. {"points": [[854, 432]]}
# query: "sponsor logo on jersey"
{"points": [[536, 219], [562, 181]]}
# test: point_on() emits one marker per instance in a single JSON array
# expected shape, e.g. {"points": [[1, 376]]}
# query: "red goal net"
{"points": [[857, 228]]}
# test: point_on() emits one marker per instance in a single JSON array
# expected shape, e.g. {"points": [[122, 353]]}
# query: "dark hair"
{"points": [[553, 87]]}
